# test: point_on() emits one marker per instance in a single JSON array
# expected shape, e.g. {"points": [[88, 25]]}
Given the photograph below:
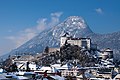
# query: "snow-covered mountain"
{"points": [[76, 27]]}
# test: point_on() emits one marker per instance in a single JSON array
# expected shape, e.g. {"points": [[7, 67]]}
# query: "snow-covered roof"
{"points": [[56, 65], [44, 68], [32, 65], [67, 66], [108, 49], [117, 76], [49, 69], [63, 67], [56, 77], [1, 70], [21, 77]]}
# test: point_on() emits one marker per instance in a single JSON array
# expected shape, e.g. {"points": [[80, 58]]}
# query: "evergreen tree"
{"points": [[46, 49]]}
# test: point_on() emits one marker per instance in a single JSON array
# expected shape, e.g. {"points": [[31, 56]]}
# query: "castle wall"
{"points": [[81, 42]]}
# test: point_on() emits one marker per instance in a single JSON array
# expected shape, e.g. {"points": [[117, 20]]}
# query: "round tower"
{"points": [[107, 53], [110, 52]]}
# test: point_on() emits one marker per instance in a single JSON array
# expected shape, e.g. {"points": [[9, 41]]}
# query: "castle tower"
{"points": [[108, 54], [63, 39]]}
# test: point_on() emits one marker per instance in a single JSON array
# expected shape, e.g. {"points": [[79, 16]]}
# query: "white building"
{"points": [[107, 53], [22, 62], [81, 42], [22, 65]]}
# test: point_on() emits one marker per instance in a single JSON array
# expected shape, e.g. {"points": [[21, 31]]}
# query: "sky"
{"points": [[21, 20]]}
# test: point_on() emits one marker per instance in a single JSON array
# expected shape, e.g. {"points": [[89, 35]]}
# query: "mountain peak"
{"points": [[75, 17], [75, 25], [75, 21]]}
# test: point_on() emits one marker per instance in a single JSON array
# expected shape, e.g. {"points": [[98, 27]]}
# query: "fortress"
{"points": [[81, 42]]}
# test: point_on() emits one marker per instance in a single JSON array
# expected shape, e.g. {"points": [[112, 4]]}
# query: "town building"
{"points": [[22, 61]]}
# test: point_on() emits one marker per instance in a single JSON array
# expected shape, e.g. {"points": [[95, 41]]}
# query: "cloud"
{"points": [[10, 37], [43, 23], [21, 37], [99, 11], [57, 14]]}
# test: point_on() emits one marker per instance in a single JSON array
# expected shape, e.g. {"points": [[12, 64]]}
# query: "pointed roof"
{"points": [[66, 35]]}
